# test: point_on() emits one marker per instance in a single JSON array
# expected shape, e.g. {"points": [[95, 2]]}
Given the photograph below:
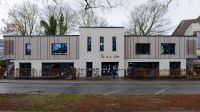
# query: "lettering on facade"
{"points": [[110, 56]]}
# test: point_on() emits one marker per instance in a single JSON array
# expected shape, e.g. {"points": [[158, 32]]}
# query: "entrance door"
{"points": [[25, 70], [109, 68], [89, 67], [175, 68]]}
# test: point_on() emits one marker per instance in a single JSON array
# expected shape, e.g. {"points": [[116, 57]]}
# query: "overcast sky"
{"points": [[178, 10]]}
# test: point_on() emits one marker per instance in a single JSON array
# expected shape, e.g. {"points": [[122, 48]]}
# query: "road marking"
{"points": [[113, 92], [161, 91]]}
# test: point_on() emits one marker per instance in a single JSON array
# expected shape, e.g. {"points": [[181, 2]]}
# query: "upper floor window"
{"points": [[89, 44], [59, 48], [114, 44], [195, 33], [28, 48], [101, 43], [168, 48], [143, 48], [198, 41]]}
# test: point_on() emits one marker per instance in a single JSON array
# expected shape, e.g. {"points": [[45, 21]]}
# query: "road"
{"points": [[99, 87]]}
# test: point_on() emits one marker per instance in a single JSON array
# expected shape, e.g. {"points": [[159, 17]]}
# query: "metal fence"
{"points": [[156, 73], [95, 74]]}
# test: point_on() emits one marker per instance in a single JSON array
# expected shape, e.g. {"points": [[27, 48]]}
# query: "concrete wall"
{"points": [[95, 55]]}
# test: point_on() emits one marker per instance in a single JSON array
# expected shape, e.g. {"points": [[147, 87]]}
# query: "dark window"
{"points": [[89, 70], [25, 70], [175, 68], [101, 43], [195, 33], [168, 48], [89, 44], [142, 48], [59, 48], [28, 48], [114, 42], [53, 69]]}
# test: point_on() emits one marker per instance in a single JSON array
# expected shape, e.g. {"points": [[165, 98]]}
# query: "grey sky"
{"points": [[178, 10]]}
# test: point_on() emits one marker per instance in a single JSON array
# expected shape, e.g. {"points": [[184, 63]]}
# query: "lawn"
{"points": [[81, 103]]}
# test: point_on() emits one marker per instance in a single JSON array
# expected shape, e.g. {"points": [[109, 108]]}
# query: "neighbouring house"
{"points": [[190, 27], [99, 51]]}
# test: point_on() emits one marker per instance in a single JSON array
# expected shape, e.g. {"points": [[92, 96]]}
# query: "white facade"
{"points": [[194, 27], [95, 55]]}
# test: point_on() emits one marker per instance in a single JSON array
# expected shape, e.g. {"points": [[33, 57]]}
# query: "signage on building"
{"points": [[110, 56]]}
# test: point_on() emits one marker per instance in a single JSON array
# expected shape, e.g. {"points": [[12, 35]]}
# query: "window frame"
{"points": [[61, 47], [27, 52], [101, 45], [140, 53], [114, 44], [169, 53], [198, 42], [89, 44]]}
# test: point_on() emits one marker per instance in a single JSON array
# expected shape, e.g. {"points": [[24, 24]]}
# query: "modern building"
{"points": [[105, 49]]}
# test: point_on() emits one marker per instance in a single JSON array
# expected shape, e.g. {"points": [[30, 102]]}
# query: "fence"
{"points": [[156, 73], [73, 73]]}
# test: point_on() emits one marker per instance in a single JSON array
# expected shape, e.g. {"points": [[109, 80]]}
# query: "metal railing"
{"points": [[79, 73]]}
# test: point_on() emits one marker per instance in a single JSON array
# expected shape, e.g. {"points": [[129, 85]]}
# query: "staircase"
{"points": [[9, 73]]}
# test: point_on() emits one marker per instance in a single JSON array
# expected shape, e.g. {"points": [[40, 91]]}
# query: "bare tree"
{"points": [[91, 4], [88, 19], [22, 19], [148, 19]]}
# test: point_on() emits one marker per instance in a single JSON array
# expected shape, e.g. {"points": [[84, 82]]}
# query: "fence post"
{"points": [[125, 74]]}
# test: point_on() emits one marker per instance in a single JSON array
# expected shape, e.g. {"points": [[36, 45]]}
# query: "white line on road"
{"points": [[161, 91], [113, 92]]}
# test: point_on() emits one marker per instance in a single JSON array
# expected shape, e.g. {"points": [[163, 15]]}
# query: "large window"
{"points": [[59, 48], [195, 33], [114, 44], [28, 48], [143, 48], [89, 44], [198, 42], [101, 43], [168, 48]]}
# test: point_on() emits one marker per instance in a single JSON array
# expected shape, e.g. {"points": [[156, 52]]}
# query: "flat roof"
{"points": [[156, 36], [79, 35], [39, 35]]}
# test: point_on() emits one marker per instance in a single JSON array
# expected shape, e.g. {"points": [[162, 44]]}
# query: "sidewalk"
{"points": [[98, 81]]}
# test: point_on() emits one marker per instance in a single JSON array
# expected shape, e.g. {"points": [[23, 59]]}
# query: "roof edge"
{"points": [[158, 36], [37, 35]]}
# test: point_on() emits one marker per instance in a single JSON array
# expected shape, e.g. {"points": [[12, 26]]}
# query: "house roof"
{"points": [[183, 26]]}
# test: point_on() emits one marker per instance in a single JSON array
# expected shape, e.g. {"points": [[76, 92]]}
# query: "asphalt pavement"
{"points": [[118, 87]]}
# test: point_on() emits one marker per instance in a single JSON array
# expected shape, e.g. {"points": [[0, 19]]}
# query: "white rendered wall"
{"points": [[37, 64], [193, 27], [95, 55]]}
